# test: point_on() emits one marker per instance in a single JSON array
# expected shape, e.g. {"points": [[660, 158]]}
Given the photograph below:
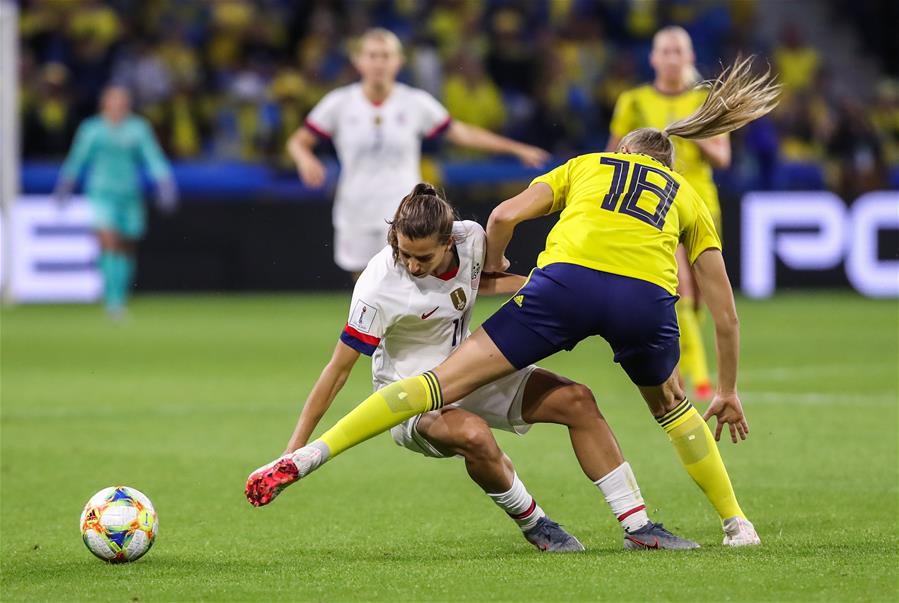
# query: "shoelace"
{"points": [[652, 527], [545, 527]]}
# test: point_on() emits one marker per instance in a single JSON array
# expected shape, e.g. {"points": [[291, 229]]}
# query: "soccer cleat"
{"points": [[548, 536], [739, 531], [654, 536], [704, 391], [266, 483]]}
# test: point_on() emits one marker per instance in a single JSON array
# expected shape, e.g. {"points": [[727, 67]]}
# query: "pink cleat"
{"points": [[266, 483]]}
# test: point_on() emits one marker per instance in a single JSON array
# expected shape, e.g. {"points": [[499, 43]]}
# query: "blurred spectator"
{"points": [[142, 70], [796, 62], [48, 123], [471, 96], [806, 122], [94, 21], [230, 78], [884, 116], [427, 67], [620, 76], [856, 150], [512, 58], [291, 98]]}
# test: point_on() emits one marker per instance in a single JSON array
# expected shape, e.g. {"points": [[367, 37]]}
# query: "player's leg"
{"points": [[132, 226], [551, 398], [123, 223], [476, 362], [693, 363], [698, 452], [480, 359], [453, 431], [645, 340], [104, 222], [108, 263]]}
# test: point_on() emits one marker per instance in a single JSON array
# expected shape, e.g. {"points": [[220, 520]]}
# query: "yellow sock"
{"points": [[382, 410], [692, 350], [699, 454]]}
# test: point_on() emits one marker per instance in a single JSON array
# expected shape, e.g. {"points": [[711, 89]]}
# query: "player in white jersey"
{"points": [[411, 309], [377, 126]]}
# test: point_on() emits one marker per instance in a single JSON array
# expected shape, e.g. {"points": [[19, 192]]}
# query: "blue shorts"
{"points": [[562, 304]]}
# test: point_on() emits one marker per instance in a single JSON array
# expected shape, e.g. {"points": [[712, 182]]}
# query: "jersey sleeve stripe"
{"points": [[440, 129], [317, 130], [362, 343], [359, 346]]}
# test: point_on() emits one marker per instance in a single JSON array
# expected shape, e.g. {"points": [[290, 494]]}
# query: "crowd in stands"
{"points": [[232, 79]]}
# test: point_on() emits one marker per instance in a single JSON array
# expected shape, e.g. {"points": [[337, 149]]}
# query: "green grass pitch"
{"points": [[193, 393]]}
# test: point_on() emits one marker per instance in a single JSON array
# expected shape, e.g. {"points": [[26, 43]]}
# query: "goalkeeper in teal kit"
{"points": [[113, 145]]}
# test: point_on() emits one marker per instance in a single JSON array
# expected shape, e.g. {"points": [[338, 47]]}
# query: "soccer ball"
{"points": [[119, 524]]}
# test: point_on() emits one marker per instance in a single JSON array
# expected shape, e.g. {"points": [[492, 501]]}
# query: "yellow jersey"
{"points": [[646, 107], [625, 214]]}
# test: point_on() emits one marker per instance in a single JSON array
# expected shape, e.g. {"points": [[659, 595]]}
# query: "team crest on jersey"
{"points": [[458, 298]]}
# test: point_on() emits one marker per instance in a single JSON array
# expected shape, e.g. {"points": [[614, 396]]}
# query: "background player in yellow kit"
{"points": [[609, 269], [671, 96]]}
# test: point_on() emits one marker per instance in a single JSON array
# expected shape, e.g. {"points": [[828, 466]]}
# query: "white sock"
{"points": [[623, 495], [519, 505]]}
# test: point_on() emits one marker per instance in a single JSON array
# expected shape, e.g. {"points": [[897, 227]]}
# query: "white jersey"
{"points": [[410, 325], [379, 148]]}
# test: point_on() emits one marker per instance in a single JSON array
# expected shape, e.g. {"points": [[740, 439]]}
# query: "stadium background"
{"points": [[225, 83], [196, 389]]}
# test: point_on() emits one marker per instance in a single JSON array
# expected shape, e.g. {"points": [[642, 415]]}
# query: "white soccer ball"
{"points": [[119, 524]]}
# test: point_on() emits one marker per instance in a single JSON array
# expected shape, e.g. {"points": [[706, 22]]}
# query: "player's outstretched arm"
{"points": [[533, 202], [711, 276], [300, 147], [326, 388], [467, 135], [500, 283]]}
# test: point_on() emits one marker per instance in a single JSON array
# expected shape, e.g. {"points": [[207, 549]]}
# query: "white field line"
{"points": [[817, 370], [880, 398]]}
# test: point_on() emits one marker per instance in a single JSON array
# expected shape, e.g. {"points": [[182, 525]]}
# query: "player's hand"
{"points": [[312, 172], [63, 191], [728, 410], [532, 156], [167, 196], [493, 267]]}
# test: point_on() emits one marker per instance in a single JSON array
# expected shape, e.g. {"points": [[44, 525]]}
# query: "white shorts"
{"points": [[498, 403], [354, 247]]}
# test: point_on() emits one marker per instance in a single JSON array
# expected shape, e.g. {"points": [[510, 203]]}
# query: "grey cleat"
{"points": [[654, 536], [548, 536]]}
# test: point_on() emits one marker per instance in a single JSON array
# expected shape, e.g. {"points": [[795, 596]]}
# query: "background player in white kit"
{"points": [[377, 126], [411, 309]]}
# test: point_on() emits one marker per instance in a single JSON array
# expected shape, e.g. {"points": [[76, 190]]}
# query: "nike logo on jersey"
{"points": [[427, 314]]}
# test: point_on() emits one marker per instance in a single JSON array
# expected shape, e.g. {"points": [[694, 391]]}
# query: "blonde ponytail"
{"points": [[736, 98]]}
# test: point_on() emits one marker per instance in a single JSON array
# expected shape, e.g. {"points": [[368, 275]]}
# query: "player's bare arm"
{"points": [[467, 135], [501, 283], [533, 202], [716, 150], [326, 388], [300, 146], [712, 279]]}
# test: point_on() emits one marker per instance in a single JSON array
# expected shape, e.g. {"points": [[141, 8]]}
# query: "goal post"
{"points": [[10, 149]]}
